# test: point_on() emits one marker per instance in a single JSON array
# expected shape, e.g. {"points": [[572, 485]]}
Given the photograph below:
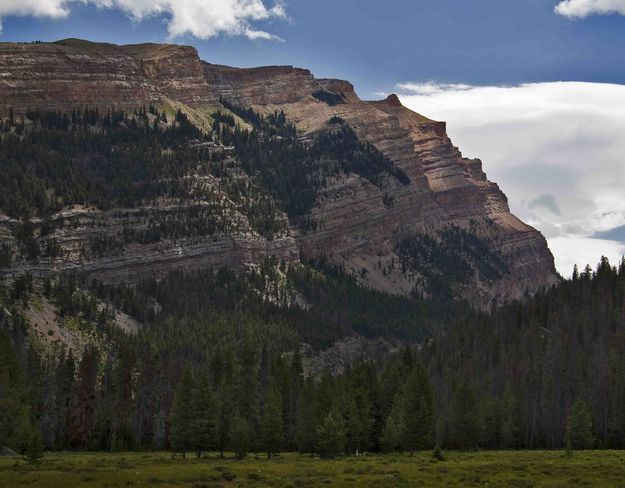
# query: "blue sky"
{"points": [[493, 69], [373, 44]]}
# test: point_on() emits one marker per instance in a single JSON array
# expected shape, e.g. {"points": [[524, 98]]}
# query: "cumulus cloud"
{"points": [[556, 149], [578, 9], [200, 18], [546, 200]]}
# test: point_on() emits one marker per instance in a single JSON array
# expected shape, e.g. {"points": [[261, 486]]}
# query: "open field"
{"points": [[521, 469]]}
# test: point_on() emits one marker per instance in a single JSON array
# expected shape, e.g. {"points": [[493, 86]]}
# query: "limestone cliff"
{"points": [[359, 225]]}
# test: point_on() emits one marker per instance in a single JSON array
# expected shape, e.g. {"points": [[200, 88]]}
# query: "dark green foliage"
{"points": [[34, 445], [417, 416], [329, 97], [293, 171], [272, 423], [579, 427], [465, 421], [81, 418], [532, 359], [356, 156], [115, 159], [339, 306], [6, 255], [451, 259], [203, 416], [240, 437], [119, 165], [331, 438], [306, 437], [437, 453], [182, 419], [15, 428], [391, 435], [337, 120]]}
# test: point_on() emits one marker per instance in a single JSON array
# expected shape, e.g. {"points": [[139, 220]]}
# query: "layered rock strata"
{"points": [[358, 224]]}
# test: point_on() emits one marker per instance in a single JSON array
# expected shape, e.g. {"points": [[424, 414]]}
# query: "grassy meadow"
{"points": [[517, 469]]}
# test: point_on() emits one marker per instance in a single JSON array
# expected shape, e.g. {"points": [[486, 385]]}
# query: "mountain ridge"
{"points": [[361, 225]]}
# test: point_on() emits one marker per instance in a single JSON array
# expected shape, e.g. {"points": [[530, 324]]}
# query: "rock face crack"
{"points": [[359, 225]]}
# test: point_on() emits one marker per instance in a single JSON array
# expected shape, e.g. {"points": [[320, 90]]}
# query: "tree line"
{"points": [[545, 372]]}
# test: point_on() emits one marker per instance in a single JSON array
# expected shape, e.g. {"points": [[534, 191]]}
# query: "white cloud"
{"points": [[200, 18], [578, 9], [431, 88], [556, 149]]}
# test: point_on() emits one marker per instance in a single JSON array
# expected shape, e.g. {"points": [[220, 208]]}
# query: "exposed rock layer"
{"points": [[357, 225]]}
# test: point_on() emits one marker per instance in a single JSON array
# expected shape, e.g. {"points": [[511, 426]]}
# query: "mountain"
{"points": [[370, 186]]}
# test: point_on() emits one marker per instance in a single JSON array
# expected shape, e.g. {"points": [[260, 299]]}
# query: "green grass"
{"points": [[522, 469]]}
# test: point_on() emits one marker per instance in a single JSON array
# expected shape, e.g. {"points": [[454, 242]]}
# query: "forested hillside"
{"points": [[217, 365]]}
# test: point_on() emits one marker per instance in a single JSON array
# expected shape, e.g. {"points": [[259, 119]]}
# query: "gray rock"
{"points": [[5, 451]]}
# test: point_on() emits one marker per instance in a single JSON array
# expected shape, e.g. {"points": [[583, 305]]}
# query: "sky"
{"points": [[535, 88]]}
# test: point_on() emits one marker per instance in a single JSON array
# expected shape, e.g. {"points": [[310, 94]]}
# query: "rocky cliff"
{"points": [[376, 231]]}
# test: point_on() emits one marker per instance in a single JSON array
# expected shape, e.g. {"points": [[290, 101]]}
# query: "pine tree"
{"points": [[417, 417], [203, 417], [82, 408], [353, 425], [391, 435], [510, 426], [14, 411], [181, 434], [331, 435], [306, 435], [224, 403], [579, 427], [465, 421], [240, 436], [272, 425], [34, 445]]}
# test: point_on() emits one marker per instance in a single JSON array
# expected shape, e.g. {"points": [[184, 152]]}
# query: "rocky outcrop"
{"points": [[358, 224]]}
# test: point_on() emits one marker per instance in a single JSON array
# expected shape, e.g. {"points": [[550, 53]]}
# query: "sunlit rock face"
{"points": [[359, 225]]}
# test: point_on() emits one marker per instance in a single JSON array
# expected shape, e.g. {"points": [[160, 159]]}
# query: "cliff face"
{"points": [[359, 225]]}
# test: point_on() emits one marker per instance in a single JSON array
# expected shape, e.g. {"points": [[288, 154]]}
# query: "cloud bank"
{"points": [[199, 18], [556, 149], [578, 9]]}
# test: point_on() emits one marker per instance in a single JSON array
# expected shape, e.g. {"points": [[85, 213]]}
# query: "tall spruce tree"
{"points": [[331, 436], [579, 427], [306, 435], [417, 411], [391, 434], [272, 424], [466, 427], [181, 434], [203, 417], [82, 408], [240, 436]]}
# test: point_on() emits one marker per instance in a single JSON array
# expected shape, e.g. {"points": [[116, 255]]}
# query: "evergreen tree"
{"points": [[82, 409], [34, 445], [579, 427], [224, 403], [331, 437], [306, 435], [353, 425], [14, 411], [511, 431], [391, 435], [181, 434], [240, 436], [465, 421], [417, 417], [203, 417], [272, 425]]}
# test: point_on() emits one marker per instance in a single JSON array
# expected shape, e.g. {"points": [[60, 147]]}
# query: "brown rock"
{"points": [[356, 227]]}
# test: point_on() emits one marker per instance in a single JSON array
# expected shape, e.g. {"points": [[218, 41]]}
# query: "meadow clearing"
{"points": [[515, 469]]}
